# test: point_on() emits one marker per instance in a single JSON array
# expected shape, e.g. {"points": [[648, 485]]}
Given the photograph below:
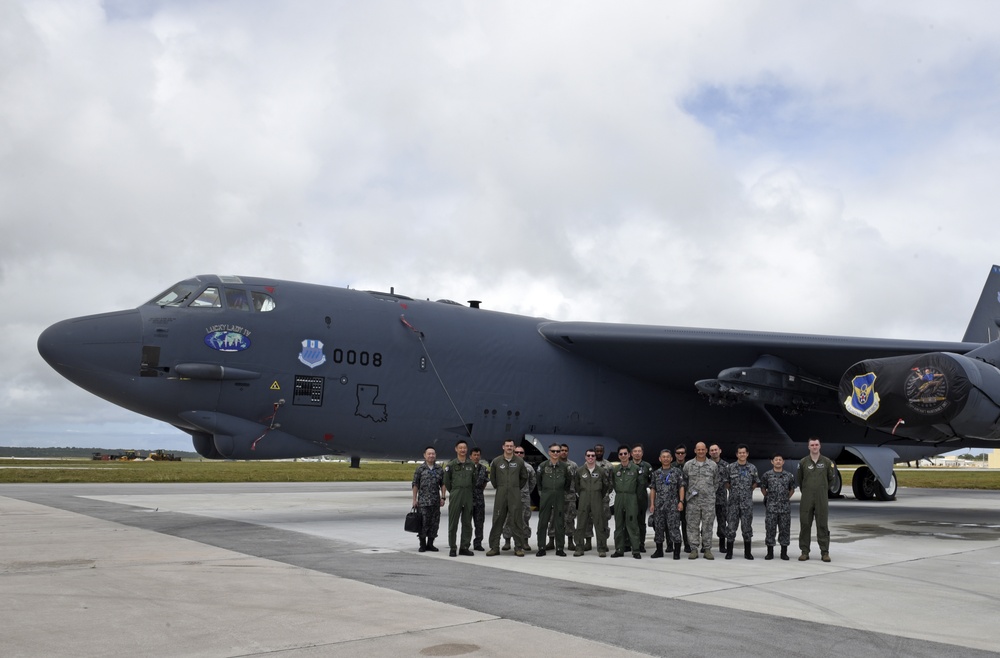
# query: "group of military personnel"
{"points": [[686, 500]]}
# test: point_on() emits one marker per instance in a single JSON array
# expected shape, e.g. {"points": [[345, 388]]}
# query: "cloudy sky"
{"points": [[777, 165]]}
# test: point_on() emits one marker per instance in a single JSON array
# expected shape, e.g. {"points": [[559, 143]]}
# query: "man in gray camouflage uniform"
{"points": [[742, 480], [778, 485], [526, 490], [702, 480], [721, 495]]}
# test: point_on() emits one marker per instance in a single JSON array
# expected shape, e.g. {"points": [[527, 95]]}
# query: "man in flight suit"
{"points": [[553, 484], [459, 480], [626, 482], [814, 479], [508, 473]]}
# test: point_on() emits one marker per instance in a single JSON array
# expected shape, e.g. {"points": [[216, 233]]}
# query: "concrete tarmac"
{"points": [[326, 569]]}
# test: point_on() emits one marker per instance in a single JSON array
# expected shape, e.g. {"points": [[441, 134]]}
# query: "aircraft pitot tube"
{"points": [[927, 397]]}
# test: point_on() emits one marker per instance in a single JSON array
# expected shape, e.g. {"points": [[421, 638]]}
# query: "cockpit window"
{"points": [[262, 302], [179, 295], [236, 299], [208, 299]]}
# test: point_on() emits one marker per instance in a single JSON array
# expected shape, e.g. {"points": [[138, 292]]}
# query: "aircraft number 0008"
{"points": [[351, 357]]}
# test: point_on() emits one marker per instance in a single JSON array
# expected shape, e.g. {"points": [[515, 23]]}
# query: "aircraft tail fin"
{"points": [[984, 326]]}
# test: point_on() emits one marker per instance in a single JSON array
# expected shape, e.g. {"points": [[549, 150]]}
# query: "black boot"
{"points": [[587, 546], [677, 551], [423, 545], [729, 550], [746, 550], [551, 546], [570, 544], [670, 546], [659, 550], [784, 552], [478, 546], [770, 553], [722, 544], [430, 545]]}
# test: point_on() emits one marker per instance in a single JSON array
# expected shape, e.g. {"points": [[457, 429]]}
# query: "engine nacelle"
{"points": [[926, 397]]}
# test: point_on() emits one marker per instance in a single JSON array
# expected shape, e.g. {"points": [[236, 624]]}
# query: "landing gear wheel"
{"points": [[837, 486], [886, 493], [863, 483]]}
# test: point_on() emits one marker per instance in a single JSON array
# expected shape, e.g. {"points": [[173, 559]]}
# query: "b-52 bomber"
{"points": [[255, 368]]}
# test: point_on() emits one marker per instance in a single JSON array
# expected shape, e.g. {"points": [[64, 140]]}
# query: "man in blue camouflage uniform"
{"points": [[479, 497], [642, 495], [508, 474], [592, 486], [428, 497], [742, 480], [721, 495], [459, 479], [526, 490], [777, 485], [666, 500], [553, 483]]}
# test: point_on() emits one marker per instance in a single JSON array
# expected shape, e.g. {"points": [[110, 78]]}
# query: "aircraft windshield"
{"points": [[237, 299], [179, 295]]}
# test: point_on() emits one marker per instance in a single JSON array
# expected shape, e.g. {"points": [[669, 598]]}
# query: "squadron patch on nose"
{"points": [[863, 401]]}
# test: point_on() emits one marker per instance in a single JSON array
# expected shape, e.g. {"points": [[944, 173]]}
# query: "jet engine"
{"points": [[927, 397]]}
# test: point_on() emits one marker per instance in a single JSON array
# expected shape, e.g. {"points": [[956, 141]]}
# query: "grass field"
{"points": [[16, 471]]}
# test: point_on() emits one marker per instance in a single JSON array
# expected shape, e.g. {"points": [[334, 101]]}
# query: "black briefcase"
{"points": [[414, 521]]}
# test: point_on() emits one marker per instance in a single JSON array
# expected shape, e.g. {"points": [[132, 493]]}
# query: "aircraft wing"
{"points": [[677, 357]]}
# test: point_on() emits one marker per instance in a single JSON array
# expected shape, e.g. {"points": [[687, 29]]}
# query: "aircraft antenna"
{"points": [[420, 336]]}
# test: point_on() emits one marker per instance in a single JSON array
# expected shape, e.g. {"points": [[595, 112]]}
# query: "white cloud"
{"points": [[777, 165]]}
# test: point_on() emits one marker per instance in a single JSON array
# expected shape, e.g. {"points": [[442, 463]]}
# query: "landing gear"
{"points": [[867, 487]]}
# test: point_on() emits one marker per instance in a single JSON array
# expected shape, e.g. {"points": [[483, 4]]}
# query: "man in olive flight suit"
{"points": [[814, 478], [592, 486], [459, 480], [553, 484], [626, 482], [508, 473]]}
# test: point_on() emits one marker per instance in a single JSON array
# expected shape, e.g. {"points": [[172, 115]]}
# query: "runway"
{"points": [[326, 569]]}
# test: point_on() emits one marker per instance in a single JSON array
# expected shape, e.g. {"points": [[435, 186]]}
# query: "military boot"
{"points": [[587, 546], [722, 544], [506, 545], [784, 552], [478, 546], [770, 553], [677, 551], [430, 545], [729, 550], [423, 545], [569, 543], [670, 546], [746, 550], [658, 552], [551, 546]]}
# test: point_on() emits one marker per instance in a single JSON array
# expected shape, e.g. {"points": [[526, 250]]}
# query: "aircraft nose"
{"points": [[81, 348]]}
